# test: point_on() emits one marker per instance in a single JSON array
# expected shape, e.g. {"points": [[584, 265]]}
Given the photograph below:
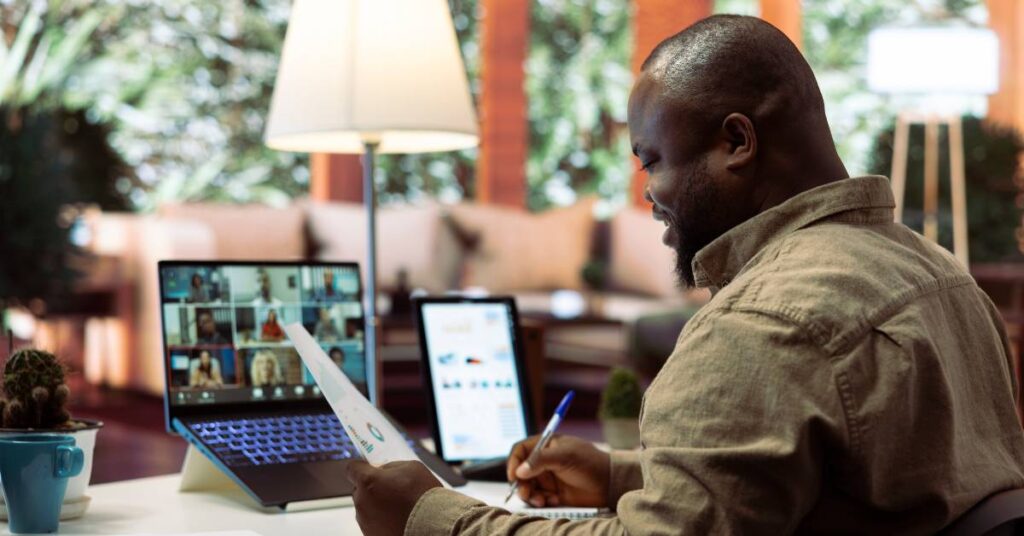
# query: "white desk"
{"points": [[154, 506]]}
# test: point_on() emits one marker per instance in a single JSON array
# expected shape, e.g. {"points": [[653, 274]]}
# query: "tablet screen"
{"points": [[473, 371]]}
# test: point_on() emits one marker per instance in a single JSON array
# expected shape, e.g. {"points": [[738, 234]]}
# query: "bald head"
{"points": [[737, 64], [727, 121]]}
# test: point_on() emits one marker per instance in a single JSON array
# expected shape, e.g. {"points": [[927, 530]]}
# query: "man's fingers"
{"points": [[524, 490], [536, 499], [359, 472], [541, 497], [547, 481], [520, 451], [548, 459]]}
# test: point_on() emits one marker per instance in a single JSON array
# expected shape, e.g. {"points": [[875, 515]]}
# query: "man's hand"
{"points": [[568, 472], [385, 496]]}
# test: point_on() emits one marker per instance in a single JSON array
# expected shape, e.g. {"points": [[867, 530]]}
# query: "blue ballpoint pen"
{"points": [[545, 436]]}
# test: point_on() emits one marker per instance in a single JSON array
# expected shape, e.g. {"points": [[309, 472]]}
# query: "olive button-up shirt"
{"points": [[847, 377]]}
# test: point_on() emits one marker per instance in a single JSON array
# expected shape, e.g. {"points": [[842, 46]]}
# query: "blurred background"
{"points": [[132, 131]]}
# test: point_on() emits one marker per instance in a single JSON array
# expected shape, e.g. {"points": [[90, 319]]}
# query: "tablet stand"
{"points": [[198, 474]]}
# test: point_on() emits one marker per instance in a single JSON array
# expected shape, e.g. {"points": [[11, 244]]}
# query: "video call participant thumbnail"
{"points": [[271, 329], [209, 330], [273, 366], [195, 285], [202, 368], [265, 370], [205, 371], [333, 285]]}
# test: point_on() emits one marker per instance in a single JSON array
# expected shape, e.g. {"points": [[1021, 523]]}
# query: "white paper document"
{"points": [[371, 432]]}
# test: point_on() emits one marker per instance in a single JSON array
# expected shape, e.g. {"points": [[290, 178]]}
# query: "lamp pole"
{"points": [[370, 308]]}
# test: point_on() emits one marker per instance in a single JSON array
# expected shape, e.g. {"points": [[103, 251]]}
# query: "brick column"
{"points": [[504, 134], [785, 15], [335, 177], [653, 21], [1006, 17]]}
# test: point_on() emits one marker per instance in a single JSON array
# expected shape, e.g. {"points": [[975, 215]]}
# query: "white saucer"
{"points": [[69, 510]]}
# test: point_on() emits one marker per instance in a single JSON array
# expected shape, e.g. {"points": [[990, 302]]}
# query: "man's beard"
{"points": [[690, 222]]}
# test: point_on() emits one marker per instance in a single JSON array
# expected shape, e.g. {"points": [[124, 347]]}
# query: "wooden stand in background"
{"points": [[901, 146]]}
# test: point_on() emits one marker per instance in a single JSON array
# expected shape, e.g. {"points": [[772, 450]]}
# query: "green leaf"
{"points": [[15, 58], [70, 48], [31, 80]]}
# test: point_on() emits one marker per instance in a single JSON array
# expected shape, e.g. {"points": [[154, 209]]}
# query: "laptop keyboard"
{"points": [[276, 440]]}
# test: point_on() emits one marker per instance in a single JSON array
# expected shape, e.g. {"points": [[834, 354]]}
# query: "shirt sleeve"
{"points": [[734, 429], [625, 474]]}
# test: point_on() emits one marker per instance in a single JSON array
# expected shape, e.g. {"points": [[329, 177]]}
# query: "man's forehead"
{"points": [[651, 105], [641, 111], [644, 89]]}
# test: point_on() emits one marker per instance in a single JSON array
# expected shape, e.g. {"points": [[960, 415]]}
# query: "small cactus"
{"points": [[34, 392]]}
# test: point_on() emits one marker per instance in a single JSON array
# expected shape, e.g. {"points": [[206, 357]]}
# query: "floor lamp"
{"points": [[958, 193], [936, 68], [371, 77]]}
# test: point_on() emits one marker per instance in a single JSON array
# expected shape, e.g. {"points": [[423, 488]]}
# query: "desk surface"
{"points": [[154, 506]]}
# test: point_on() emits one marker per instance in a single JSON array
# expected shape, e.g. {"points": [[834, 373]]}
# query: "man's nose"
{"points": [[647, 195]]}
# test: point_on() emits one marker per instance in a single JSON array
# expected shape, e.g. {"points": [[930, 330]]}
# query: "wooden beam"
{"points": [[1006, 107], [504, 134], [787, 16], [335, 177], [653, 22]]}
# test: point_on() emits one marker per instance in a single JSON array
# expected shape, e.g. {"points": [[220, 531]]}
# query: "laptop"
{"points": [[236, 388], [475, 373]]}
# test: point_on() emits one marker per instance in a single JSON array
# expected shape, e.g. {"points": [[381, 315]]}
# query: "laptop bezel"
{"points": [[201, 411], [518, 355]]}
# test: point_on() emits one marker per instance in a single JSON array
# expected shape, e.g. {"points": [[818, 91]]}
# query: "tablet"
{"points": [[474, 371]]}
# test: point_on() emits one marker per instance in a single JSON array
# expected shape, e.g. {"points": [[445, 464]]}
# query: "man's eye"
{"points": [[646, 166]]}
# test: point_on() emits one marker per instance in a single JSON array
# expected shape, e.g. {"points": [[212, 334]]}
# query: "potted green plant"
{"points": [[34, 401], [620, 409]]}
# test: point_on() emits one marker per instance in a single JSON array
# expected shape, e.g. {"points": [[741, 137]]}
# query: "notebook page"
{"points": [[562, 512]]}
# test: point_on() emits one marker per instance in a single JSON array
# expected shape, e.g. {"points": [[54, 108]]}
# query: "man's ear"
{"points": [[742, 139]]}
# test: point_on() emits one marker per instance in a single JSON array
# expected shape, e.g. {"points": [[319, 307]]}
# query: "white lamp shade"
{"points": [[936, 60], [387, 71]]}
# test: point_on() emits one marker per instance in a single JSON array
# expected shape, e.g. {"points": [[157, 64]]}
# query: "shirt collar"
{"points": [[867, 198]]}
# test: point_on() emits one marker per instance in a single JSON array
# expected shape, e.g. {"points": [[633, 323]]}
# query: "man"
{"points": [[265, 297], [207, 329], [847, 376]]}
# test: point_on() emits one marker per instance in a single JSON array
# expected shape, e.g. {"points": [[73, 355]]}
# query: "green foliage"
{"points": [[195, 80], [993, 198], [35, 394], [185, 84], [622, 396], [52, 156], [42, 53], [835, 44], [577, 85]]}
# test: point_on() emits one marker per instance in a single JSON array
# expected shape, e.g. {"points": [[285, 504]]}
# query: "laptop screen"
{"points": [[223, 329], [475, 377]]}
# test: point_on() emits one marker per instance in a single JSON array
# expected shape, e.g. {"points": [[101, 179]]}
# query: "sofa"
{"points": [[436, 248]]}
